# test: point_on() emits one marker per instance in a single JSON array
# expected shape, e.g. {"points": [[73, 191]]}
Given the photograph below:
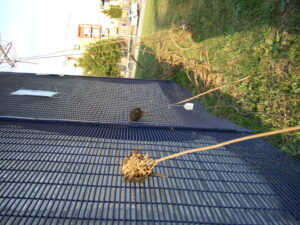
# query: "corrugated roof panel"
{"points": [[56, 173]]}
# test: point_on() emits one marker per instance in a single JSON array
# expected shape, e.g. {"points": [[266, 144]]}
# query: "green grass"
{"points": [[251, 37], [151, 70], [181, 78]]}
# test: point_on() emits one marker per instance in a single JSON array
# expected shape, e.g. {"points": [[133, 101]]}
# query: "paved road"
{"points": [[137, 39]]}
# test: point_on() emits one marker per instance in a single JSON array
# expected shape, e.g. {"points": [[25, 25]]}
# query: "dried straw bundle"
{"points": [[138, 167], [136, 114]]}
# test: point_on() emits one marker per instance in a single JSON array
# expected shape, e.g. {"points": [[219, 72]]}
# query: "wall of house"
{"points": [[91, 13]]}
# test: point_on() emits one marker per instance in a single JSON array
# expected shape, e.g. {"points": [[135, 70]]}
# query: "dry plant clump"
{"points": [[174, 49], [136, 114], [137, 167]]}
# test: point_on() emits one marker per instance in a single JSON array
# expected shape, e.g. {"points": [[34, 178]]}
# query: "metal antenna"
{"points": [[4, 54], [7, 58]]}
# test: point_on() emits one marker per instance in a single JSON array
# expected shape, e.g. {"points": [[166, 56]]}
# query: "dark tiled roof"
{"points": [[104, 100], [61, 171]]}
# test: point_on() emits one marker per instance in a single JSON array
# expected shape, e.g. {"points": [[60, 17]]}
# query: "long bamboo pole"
{"points": [[226, 143], [197, 96]]}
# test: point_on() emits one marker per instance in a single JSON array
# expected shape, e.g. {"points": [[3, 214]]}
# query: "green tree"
{"points": [[114, 11], [101, 58]]}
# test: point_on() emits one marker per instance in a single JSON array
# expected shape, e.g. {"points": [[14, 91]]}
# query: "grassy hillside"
{"points": [[259, 38]]}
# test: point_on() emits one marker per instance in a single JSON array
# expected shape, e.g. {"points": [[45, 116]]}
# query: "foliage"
{"points": [[256, 38], [101, 58], [271, 97], [114, 11], [181, 78]]}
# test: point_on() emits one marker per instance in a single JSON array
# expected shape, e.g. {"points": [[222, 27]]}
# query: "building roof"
{"points": [[66, 171], [103, 100]]}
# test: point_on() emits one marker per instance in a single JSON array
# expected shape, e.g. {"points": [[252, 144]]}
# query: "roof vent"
{"points": [[35, 93]]}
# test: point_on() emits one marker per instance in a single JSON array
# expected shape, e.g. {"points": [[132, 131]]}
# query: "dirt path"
{"points": [[138, 33]]}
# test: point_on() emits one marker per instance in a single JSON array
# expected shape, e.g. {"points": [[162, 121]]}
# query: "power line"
{"points": [[74, 54], [107, 43], [15, 61]]}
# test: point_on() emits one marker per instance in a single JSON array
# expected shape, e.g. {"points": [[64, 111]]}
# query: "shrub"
{"points": [[101, 58]]}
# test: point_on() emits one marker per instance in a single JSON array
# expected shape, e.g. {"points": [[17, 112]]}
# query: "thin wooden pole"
{"points": [[226, 143], [197, 96]]}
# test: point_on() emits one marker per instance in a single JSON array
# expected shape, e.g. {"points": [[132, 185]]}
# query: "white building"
{"points": [[88, 25]]}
